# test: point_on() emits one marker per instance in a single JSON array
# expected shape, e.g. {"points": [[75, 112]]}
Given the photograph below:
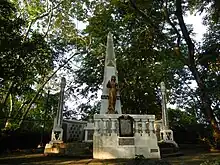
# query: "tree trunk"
{"points": [[11, 85], [206, 102], [7, 121]]}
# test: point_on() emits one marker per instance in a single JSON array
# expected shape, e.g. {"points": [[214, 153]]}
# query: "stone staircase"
{"points": [[169, 149], [82, 149], [78, 149]]}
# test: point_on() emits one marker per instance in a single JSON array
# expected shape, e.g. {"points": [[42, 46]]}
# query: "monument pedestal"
{"points": [[114, 147], [57, 134], [167, 136], [56, 145], [110, 143]]}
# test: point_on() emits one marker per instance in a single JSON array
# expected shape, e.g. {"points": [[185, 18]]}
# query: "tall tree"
{"points": [[143, 59], [174, 12], [35, 50], [23, 63]]}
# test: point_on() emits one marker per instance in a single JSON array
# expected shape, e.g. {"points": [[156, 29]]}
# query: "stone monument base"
{"points": [[68, 149], [123, 136], [167, 137], [57, 147], [114, 147]]}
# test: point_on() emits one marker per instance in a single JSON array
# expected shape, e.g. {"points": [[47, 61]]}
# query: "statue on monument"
{"points": [[113, 88]]}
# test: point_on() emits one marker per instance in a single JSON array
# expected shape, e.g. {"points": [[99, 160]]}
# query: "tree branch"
{"points": [[177, 47], [153, 25], [28, 30], [42, 86], [7, 121], [172, 24], [204, 95], [20, 109], [133, 4], [49, 22], [11, 85], [191, 47], [37, 18]]}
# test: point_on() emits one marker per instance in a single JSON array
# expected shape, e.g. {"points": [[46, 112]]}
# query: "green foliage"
{"points": [[21, 60], [211, 162], [180, 118], [23, 63], [142, 59], [37, 35], [87, 111]]}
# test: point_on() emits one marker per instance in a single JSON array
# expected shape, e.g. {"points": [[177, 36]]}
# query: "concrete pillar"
{"points": [[164, 107]]}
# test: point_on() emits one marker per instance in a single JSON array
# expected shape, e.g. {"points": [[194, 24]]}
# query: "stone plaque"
{"points": [[153, 150], [126, 126], [126, 141]]}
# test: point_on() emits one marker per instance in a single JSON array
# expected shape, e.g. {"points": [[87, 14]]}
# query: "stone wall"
{"points": [[73, 130]]}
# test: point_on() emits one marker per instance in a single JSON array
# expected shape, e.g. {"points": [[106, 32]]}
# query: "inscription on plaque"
{"points": [[126, 126], [126, 141]]}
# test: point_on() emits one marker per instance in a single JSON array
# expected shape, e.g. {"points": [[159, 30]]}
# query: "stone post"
{"points": [[96, 127], [136, 121], [113, 128], [165, 121], [86, 135], [104, 130], [57, 132], [151, 127], [144, 126], [61, 103], [166, 134]]}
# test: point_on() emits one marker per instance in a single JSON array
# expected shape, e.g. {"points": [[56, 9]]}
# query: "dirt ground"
{"points": [[189, 158]]}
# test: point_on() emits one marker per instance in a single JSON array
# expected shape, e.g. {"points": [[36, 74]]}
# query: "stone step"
{"points": [[85, 150], [172, 154], [169, 150], [69, 149]]}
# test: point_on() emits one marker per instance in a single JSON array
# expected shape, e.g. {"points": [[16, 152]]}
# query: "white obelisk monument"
{"points": [[165, 121], [56, 145], [57, 132], [108, 140], [166, 133], [109, 71]]}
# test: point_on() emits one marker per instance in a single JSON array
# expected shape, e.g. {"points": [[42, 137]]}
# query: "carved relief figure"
{"points": [[113, 87]]}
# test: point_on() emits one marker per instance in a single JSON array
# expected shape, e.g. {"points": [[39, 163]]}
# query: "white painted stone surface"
{"points": [[89, 127], [53, 135], [75, 130], [164, 107], [106, 145], [109, 70], [57, 125], [166, 134]]}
